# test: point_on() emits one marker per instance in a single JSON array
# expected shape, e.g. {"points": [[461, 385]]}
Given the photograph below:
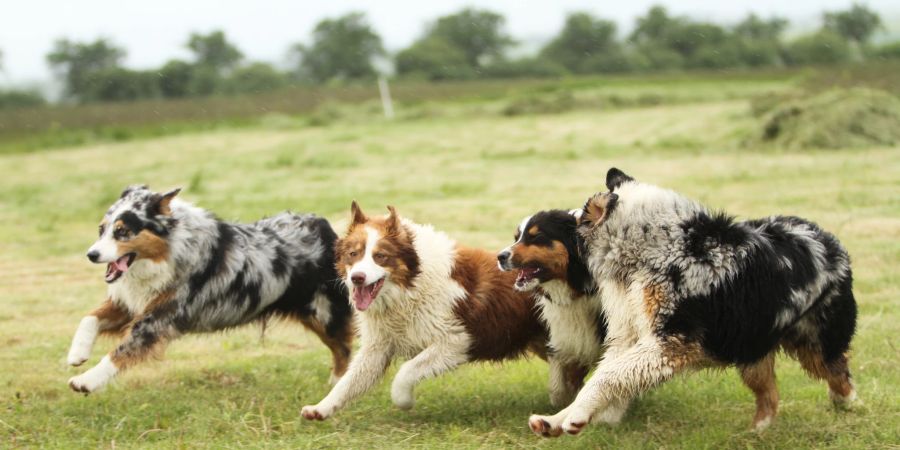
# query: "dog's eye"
{"points": [[120, 232], [380, 257], [353, 254]]}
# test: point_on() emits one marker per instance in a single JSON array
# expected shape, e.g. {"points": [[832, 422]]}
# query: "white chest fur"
{"points": [[572, 322], [143, 282]]}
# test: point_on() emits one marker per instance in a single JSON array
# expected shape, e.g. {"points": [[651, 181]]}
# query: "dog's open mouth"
{"points": [[526, 275], [363, 296], [117, 268]]}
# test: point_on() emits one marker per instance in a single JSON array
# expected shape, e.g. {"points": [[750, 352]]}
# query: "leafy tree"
{"points": [[655, 27], [16, 98], [342, 48], [477, 33], [824, 47], [175, 79], [118, 84], [76, 62], [582, 39], [433, 59], [754, 28], [856, 24], [760, 40], [213, 51], [255, 78]]}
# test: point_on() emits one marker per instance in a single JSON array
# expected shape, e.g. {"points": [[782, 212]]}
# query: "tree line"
{"points": [[469, 44]]}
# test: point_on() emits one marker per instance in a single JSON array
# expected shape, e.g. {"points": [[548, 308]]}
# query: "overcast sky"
{"points": [[155, 31]]}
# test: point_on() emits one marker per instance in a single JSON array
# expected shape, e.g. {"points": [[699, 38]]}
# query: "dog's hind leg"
{"points": [[433, 361], [760, 378], [339, 343], [147, 337], [108, 318]]}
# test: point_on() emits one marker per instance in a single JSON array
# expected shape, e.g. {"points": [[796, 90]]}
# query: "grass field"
{"points": [[469, 172]]}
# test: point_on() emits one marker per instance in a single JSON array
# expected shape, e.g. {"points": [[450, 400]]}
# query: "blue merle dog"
{"points": [[173, 268]]}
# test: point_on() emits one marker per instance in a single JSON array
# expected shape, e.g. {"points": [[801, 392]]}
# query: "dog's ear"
{"points": [[356, 215], [615, 178], [597, 208], [160, 204], [132, 188], [393, 220]]}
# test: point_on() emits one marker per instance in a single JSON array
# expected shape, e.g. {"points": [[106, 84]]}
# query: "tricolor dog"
{"points": [[685, 288], [173, 268], [420, 296], [546, 261]]}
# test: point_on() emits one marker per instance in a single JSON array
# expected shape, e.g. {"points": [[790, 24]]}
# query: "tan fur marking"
{"points": [[554, 259], [339, 345], [654, 296], [597, 209], [146, 245], [111, 318], [760, 378]]}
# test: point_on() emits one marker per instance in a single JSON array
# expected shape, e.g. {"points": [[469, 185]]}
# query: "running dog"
{"points": [[173, 268], [420, 296], [686, 288], [545, 257]]}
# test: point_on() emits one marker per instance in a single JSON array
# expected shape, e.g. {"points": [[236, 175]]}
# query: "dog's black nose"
{"points": [[503, 257], [93, 255]]}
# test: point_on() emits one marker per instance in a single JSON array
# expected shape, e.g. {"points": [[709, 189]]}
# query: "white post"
{"points": [[386, 102]]}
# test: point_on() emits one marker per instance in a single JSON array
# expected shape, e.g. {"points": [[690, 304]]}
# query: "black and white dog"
{"points": [[173, 268], [547, 262], [685, 288]]}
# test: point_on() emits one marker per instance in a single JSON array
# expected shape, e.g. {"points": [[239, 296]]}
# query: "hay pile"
{"points": [[838, 118]]}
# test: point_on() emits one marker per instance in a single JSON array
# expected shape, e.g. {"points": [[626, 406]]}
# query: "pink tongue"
{"points": [[363, 297], [122, 263]]}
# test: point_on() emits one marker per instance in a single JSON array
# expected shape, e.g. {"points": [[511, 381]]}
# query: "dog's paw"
{"points": [[576, 421], [77, 358], [403, 398], [544, 426], [86, 383], [316, 412]]}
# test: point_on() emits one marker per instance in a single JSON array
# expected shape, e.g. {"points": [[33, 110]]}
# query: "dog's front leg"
{"points": [[148, 335], [620, 379], [433, 361], [366, 368], [109, 317]]}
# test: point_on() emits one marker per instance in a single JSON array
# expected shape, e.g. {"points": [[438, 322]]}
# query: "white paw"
{"points": [[842, 402], [83, 341], [95, 378], [403, 398], [77, 357], [762, 424], [576, 420], [546, 426], [316, 412]]}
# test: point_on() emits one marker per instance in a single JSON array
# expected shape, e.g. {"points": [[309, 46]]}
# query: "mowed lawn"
{"points": [[474, 177]]}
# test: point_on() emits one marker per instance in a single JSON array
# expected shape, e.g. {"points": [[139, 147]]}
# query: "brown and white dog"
{"points": [[420, 296]]}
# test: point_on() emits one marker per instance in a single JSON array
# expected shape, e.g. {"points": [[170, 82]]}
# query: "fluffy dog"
{"points": [[420, 296], [173, 268], [546, 261], [685, 288]]}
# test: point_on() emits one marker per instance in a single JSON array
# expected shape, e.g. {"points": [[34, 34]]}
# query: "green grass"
{"points": [[473, 176]]}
